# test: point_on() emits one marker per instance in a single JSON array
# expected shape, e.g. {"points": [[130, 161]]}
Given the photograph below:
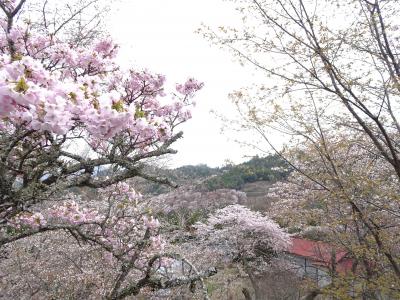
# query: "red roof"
{"points": [[320, 254]]}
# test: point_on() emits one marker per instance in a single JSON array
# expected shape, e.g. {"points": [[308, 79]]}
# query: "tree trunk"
{"points": [[246, 294]]}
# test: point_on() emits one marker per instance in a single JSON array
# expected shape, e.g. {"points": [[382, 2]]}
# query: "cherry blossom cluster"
{"points": [[187, 197], [119, 224], [291, 202], [51, 86], [189, 87], [123, 191], [28, 220], [241, 232], [73, 214]]}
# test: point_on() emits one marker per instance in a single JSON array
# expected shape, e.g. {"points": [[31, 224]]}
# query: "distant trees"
{"points": [[204, 178], [270, 168], [332, 87], [186, 205]]}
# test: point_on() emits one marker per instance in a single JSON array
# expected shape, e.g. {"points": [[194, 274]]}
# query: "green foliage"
{"points": [[212, 287], [270, 168], [195, 172], [21, 85]]}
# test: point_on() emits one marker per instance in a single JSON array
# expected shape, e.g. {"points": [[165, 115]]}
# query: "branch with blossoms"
{"points": [[120, 226], [191, 278], [58, 98]]}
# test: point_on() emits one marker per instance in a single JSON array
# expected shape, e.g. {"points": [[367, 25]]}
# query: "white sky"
{"points": [[160, 35]]}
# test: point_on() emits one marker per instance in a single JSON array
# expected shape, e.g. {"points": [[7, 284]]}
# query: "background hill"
{"points": [[253, 177], [265, 170]]}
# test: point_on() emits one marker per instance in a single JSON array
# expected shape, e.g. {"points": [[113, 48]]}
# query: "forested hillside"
{"points": [[268, 169]]}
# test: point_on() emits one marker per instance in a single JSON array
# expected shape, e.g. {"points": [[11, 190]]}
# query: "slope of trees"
{"points": [[204, 178], [270, 168]]}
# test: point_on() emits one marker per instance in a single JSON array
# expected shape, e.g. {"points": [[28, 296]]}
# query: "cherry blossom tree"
{"points": [[56, 97], [252, 241], [61, 92]]}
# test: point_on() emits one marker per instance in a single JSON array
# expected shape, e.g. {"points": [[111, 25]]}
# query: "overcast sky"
{"points": [[160, 35]]}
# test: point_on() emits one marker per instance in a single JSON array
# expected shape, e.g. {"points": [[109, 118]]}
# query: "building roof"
{"points": [[321, 253]]}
